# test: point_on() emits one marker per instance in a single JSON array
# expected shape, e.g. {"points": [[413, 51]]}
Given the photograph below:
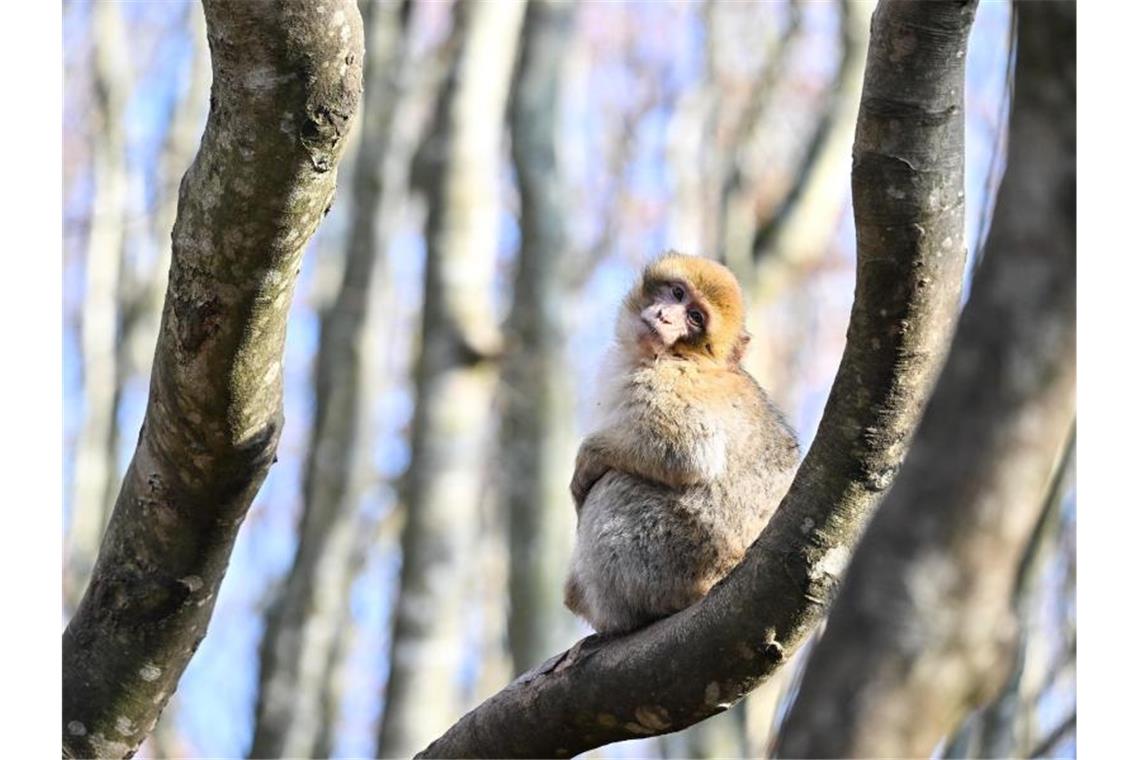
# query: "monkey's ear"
{"points": [[738, 348]]}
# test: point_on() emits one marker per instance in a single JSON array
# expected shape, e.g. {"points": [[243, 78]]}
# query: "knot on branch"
{"points": [[321, 133]]}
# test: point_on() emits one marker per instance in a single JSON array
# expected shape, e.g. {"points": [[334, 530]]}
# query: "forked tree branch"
{"points": [[287, 78], [908, 197]]}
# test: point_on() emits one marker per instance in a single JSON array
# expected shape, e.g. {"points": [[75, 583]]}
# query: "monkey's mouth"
{"points": [[648, 332], [651, 341]]}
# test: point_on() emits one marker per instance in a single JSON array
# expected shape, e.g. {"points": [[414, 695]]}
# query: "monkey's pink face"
{"points": [[673, 314]]}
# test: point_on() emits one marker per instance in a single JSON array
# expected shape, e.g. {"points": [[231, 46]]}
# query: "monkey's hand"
{"points": [[589, 468]]}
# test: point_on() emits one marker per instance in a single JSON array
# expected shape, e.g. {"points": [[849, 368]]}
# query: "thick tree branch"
{"points": [[924, 629], [284, 94], [907, 179]]}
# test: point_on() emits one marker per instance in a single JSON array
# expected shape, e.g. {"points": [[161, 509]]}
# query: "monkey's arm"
{"points": [[678, 455], [590, 466]]}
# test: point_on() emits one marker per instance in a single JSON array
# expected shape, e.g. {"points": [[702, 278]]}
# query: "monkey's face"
{"points": [[671, 318], [684, 307]]}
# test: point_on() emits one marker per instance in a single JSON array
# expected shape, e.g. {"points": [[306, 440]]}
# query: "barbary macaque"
{"points": [[690, 458]]}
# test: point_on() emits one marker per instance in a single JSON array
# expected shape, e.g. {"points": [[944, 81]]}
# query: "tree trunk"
{"points": [[283, 98], [95, 465], [455, 376], [304, 621], [536, 446], [924, 628], [908, 189]]}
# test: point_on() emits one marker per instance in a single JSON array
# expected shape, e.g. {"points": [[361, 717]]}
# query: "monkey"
{"points": [[689, 460]]}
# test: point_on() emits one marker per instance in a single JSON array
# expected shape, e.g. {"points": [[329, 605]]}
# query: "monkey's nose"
{"points": [[661, 316]]}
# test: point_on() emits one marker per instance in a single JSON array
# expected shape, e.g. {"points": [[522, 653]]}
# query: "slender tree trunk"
{"points": [[455, 376], [258, 188], [536, 444], [304, 621], [908, 187], [924, 628], [95, 466]]}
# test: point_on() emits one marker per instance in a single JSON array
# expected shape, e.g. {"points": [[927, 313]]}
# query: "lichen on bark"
{"points": [[287, 78]]}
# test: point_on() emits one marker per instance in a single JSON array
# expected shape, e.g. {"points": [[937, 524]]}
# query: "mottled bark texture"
{"points": [[536, 449], [287, 77], [456, 372], [148, 285], [925, 625], [304, 621], [907, 181]]}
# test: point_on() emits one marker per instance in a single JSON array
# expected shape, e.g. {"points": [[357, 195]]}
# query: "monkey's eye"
{"points": [[697, 318], [678, 292]]}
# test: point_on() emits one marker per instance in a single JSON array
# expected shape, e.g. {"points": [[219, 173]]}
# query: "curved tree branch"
{"points": [[907, 179], [925, 628], [284, 94]]}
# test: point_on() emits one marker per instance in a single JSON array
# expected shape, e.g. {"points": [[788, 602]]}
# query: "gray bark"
{"points": [[147, 287], [283, 98], [536, 444], [304, 621], [924, 629], [908, 188], [455, 377]]}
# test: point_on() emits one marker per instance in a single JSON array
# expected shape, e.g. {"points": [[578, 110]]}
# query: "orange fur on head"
{"points": [[716, 287]]}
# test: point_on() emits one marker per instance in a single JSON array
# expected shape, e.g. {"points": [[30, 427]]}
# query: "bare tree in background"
{"points": [[95, 469], [295, 705], [536, 441], [769, 254], [259, 186], [908, 188], [459, 166], [1008, 726], [923, 630]]}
